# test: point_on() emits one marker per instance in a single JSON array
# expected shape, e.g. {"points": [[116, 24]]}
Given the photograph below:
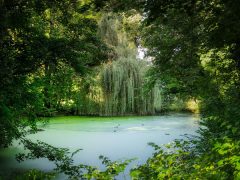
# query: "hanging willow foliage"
{"points": [[123, 89], [112, 32], [119, 87]]}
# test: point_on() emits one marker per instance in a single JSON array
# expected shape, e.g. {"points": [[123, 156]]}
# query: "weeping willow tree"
{"points": [[123, 77], [118, 87], [124, 90]]}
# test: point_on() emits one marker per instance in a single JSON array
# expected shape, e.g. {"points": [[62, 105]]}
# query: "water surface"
{"points": [[118, 138]]}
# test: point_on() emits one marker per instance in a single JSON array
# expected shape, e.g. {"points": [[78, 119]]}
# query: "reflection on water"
{"points": [[114, 137]]}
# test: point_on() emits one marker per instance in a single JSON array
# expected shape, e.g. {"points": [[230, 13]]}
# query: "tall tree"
{"points": [[195, 47], [39, 35]]}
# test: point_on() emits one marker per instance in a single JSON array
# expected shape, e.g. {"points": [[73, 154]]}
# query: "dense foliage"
{"points": [[117, 87], [48, 49], [41, 44], [195, 47]]}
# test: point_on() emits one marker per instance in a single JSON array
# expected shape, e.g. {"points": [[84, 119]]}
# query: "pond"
{"points": [[118, 138]]}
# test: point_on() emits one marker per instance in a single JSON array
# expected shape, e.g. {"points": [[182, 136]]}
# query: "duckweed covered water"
{"points": [[114, 137]]}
